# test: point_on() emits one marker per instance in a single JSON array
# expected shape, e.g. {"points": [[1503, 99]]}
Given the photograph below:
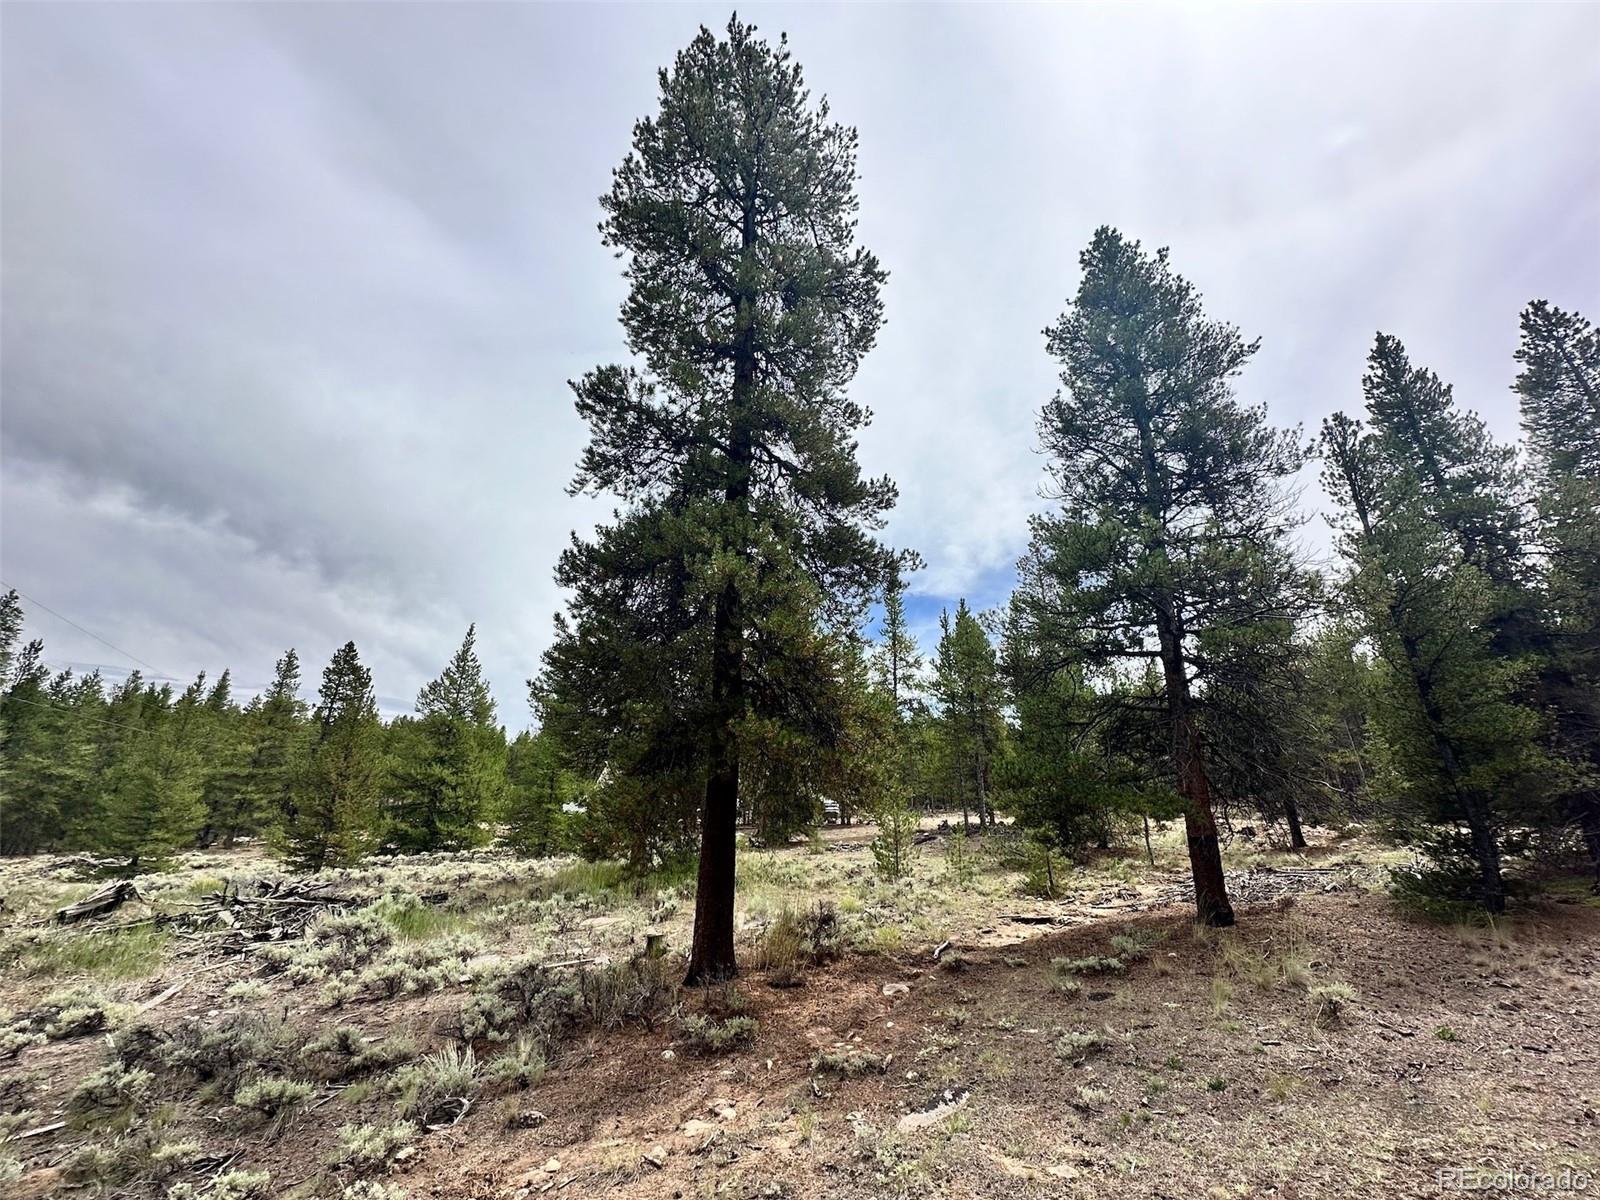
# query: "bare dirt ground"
{"points": [[1094, 1045]]}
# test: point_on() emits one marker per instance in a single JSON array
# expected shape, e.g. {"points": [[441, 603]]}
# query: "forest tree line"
{"points": [[1168, 653], [138, 770]]}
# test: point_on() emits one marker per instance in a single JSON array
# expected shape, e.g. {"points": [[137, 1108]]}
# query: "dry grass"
{"points": [[1081, 1048]]}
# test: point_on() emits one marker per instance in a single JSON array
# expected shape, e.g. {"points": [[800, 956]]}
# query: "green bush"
{"points": [[636, 991], [227, 1053], [522, 1066], [343, 1052], [1092, 965], [799, 938], [421, 1087], [239, 1185]]}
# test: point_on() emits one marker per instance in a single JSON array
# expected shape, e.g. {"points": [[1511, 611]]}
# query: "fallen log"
{"points": [[105, 899]]}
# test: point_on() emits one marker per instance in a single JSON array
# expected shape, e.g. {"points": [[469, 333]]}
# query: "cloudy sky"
{"points": [[290, 293]]}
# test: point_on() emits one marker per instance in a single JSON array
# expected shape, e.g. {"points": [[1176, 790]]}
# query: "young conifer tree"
{"points": [[537, 791], [335, 815], [151, 804], [452, 770], [275, 739], [899, 660], [971, 693]]}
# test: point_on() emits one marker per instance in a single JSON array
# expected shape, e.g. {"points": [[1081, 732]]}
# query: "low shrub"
{"points": [[1090, 1099], [169, 1158], [637, 991], [239, 1185], [718, 1035], [74, 1012], [111, 1092], [1328, 1001], [524, 996], [1128, 949], [371, 1147], [1092, 965], [371, 1189], [335, 944], [849, 1062], [799, 938], [343, 1052], [422, 1087], [522, 1066], [227, 1053], [1075, 1046], [272, 1095]]}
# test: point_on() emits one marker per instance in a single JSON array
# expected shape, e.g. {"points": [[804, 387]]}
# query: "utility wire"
{"points": [[81, 629], [74, 712]]}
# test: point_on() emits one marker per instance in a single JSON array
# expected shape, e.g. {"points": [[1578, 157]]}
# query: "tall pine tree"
{"points": [[275, 738], [1559, 387], [747, 518], [1171, 545], [1457, 744]]}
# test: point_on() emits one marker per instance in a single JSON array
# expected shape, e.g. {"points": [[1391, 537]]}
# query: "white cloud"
{"points": [[291, 293]]}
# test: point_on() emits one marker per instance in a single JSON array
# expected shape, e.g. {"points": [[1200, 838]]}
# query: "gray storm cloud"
{"points": [[290, 293]]}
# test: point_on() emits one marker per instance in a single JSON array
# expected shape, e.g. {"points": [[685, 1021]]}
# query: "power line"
{"points": [[81, 629], [14, 699]]}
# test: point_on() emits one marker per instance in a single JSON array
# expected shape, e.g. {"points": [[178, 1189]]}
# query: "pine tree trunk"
{"points": [[1199, 820], [983, 800], [1589, 822], [1486, 849], [1297, 837], [1485, 844], [712, 959], [1200, 824]]}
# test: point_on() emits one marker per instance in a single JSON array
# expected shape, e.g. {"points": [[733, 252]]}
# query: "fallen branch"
{"points": [[164, 997]]}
